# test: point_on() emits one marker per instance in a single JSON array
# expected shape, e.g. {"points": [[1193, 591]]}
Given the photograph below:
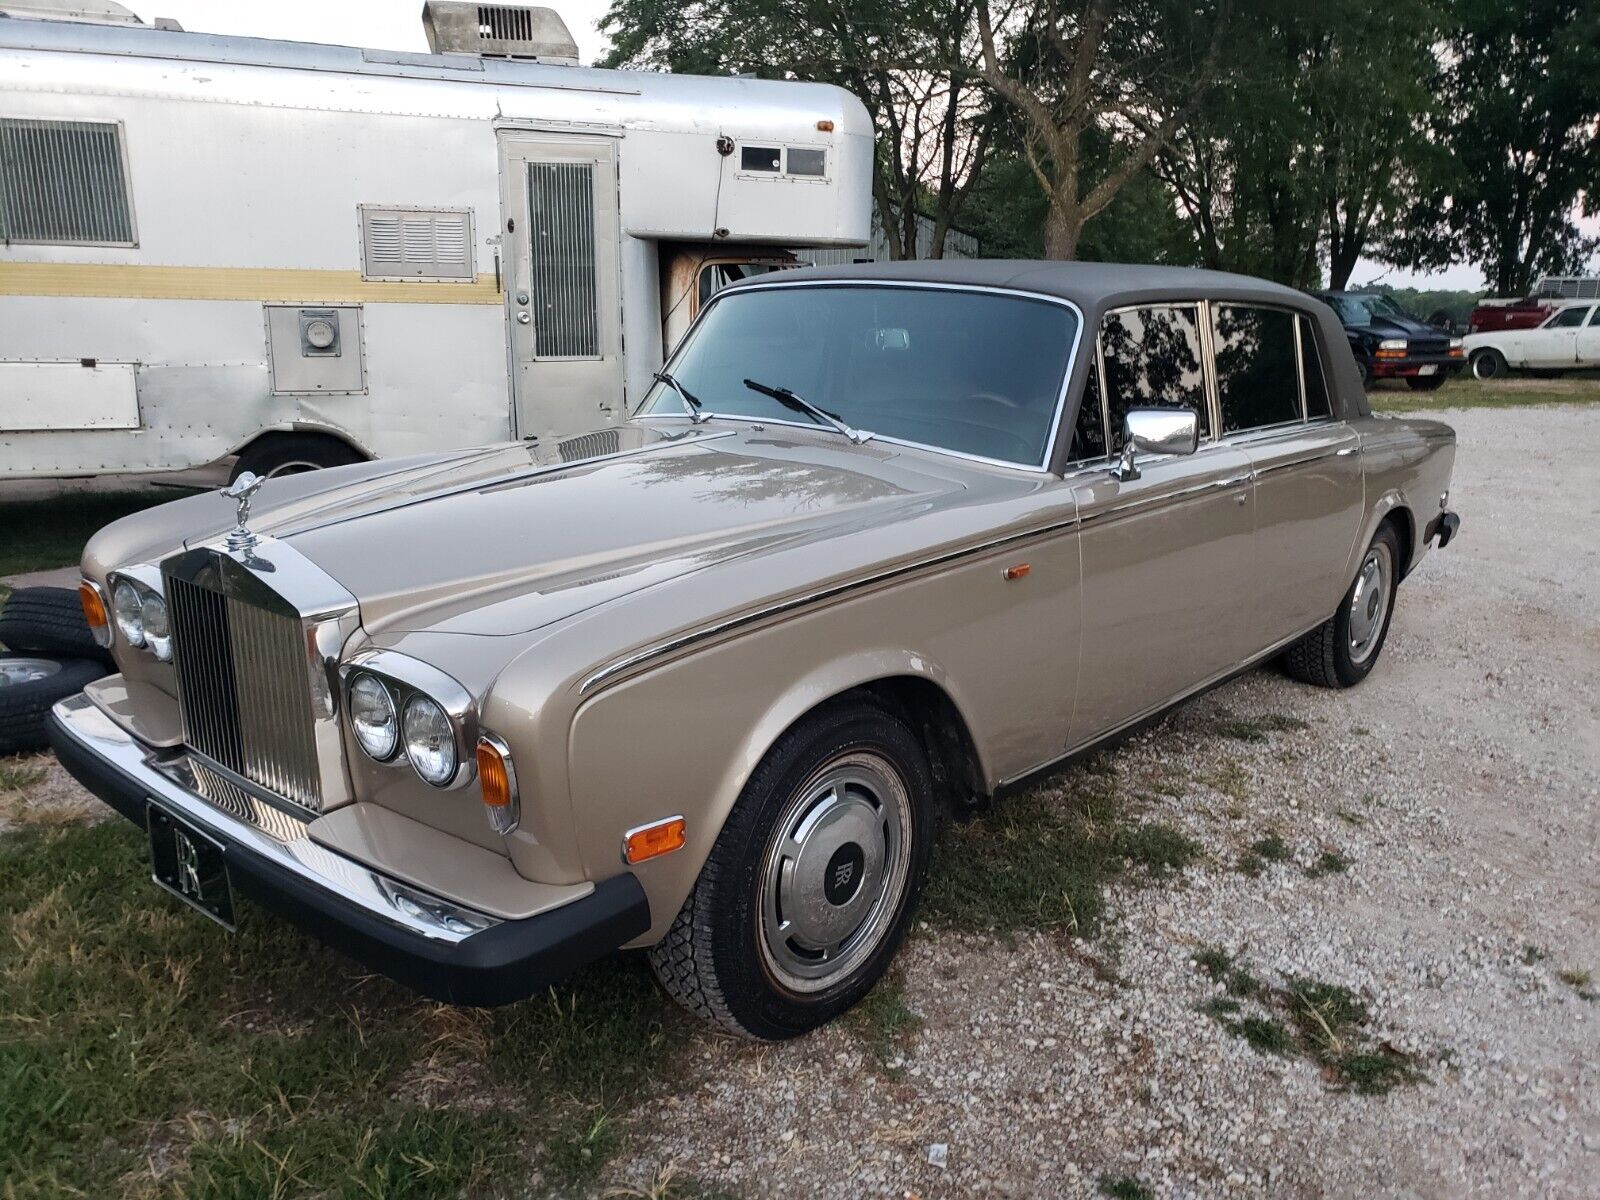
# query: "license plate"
{"points": [[1428, 369], [189, 865]]}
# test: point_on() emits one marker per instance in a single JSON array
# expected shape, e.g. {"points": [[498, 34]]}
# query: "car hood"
{"points": [[1405, 327], [509, 540]]}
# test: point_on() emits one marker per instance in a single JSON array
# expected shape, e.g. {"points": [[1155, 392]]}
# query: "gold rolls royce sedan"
{"points": [[879, 544]]}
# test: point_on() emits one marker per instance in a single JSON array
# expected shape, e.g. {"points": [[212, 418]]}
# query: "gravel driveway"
{"points": [[1440, 828]]}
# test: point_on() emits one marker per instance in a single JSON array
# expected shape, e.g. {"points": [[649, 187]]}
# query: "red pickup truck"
{"points": [[1490, 316]]}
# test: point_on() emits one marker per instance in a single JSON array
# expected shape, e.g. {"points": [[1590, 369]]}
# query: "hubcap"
{"points": [[14, 671], [835, 871], [1369, 602]]}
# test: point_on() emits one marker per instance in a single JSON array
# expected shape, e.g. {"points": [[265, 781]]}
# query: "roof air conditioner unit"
{"points": [[499, 31]]}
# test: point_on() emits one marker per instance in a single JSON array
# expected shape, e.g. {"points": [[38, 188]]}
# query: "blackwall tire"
{"points": [[1488, 364], [29, 685], [48, 620], [275, 454], [1426, 383], [813, 880], [1342, 651]]}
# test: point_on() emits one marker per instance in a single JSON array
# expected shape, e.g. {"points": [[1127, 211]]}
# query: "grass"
{"points": [[41, 534], [1271, 848], [884, 1022], [1256, 729], [1042, 860], [1124, 1187], [1579, 387], [1322, 1022], [145, 1053], [1329, 862]]}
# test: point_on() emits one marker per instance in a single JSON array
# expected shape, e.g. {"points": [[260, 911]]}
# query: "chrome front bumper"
{"points": [[440, 948]]}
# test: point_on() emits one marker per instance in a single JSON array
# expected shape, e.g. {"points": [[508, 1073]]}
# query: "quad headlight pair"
{"points": [[140, 614], [384, 725]]}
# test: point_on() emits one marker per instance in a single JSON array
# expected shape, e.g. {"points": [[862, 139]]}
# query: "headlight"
{"points": [[372, 717], [157, 637], [1392, 344], [128, 609], [430, 741]]}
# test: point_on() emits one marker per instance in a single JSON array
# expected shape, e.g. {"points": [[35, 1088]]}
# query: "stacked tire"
{"points": [[48, 654]]}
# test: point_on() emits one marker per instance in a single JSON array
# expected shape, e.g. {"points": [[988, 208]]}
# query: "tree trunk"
{"points": [[1063, 227]]}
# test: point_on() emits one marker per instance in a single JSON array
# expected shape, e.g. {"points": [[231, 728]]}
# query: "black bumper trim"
{"points": [[507, 962], [1444, 527]]}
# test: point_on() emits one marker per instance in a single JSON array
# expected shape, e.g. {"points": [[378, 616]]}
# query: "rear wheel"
{"points": [[1426, 383], [1487, 364], [293, 453], [1365, 368], [810, 887], [1340, 652]]}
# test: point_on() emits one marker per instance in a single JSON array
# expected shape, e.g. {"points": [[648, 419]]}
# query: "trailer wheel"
{"points": [[48, 620], [29, 685], [291, 453]]}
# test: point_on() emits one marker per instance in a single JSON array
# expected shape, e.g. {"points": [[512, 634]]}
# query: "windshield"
{"points": [[973, 372], [1360, 310]]}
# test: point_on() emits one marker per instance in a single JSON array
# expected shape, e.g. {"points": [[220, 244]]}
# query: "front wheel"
{"points": [[1340, 652], [1426, 383], [1488, 364], [810, 887]]}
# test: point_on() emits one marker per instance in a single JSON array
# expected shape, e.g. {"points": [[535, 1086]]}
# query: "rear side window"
{"points": [[1311, 364], [1152, 360], [1258, 381], [1089, 434]]}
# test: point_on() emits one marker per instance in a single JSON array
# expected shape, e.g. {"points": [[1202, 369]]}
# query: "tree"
{"points": [[1130, 71], [1519, 121], [1312, 135], [911, 63]]}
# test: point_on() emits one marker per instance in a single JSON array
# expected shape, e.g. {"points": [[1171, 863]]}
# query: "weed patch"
{"points": [[1271, 848], [1124, 1187], [1329, 862], [1256, 729], [883, 1021], [1322, 1022]]}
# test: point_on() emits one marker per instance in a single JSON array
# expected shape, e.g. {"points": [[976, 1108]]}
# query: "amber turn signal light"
{"points": [[94, 612], [1018, 571], [654, 840], [497, 780]]}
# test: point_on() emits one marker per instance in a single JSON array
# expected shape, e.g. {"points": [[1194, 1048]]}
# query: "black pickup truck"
{"points": [[1390, 344]]}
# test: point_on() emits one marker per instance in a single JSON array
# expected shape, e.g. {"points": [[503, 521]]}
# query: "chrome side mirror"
{"points": [[1156, 431]]}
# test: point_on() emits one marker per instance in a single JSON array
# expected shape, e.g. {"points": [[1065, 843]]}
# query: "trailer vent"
{"points": [[498, 31], [63, 183], [416, 243]]}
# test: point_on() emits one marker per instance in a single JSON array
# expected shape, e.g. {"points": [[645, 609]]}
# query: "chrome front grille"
{"points": [[244, 687]]}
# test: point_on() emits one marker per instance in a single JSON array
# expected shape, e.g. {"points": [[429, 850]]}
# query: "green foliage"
{"points": [[1124, 1187], [1519, 101], [41, 534]]}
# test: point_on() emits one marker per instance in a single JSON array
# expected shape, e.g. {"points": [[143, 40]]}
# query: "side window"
{"points": [[1569, 318], [1258, 383], [1089, 434], [63, 183], [1152, 360], [1316, 382], [1594, 315]]}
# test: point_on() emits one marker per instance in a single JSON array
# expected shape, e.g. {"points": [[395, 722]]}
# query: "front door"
{"points": [[1167, 558], [1555, 343], [563, 287], [1589, 340]]}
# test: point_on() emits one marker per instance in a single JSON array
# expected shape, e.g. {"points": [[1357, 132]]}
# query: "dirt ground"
{"points": [[1458, 789]]}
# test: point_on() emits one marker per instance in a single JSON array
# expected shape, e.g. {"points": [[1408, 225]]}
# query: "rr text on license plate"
{"points": [[189, 865]]}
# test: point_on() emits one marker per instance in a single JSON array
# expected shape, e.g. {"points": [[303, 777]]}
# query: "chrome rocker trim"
{"points": [[440, 948]]}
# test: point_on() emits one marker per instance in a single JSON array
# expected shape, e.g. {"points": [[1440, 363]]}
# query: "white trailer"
{"points": [[302, 255]]}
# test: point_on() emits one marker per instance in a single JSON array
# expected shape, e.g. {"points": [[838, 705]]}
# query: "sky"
{"points": [[397, 25]]}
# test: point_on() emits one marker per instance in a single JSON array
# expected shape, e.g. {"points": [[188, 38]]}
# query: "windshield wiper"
{"points": [[691, 403], [800, 404]]}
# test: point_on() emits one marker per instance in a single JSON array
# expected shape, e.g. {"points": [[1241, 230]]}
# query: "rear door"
{"points": [[563, 282], [1273, 400]]}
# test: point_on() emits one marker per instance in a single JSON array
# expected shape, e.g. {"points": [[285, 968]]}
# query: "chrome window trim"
{"points": [[1206, 363], [410, 677], [1299, 366], [1041, 468]]}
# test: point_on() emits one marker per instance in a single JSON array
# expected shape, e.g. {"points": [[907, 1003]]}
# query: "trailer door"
{"points": [[559, 200]]}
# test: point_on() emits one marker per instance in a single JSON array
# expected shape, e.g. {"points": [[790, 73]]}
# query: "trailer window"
{"points": [[804, 160], [63, 182], [760, 158], [562, 260]]}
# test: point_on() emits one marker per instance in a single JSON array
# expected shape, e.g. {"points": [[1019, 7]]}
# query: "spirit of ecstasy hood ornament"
{"points": [[240, 491]]}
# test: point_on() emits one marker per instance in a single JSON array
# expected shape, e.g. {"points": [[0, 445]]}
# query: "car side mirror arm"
{"points": [[1155, 431]]}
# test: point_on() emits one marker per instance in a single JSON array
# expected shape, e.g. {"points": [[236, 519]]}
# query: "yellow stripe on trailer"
{"points": [[134, 281]]}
